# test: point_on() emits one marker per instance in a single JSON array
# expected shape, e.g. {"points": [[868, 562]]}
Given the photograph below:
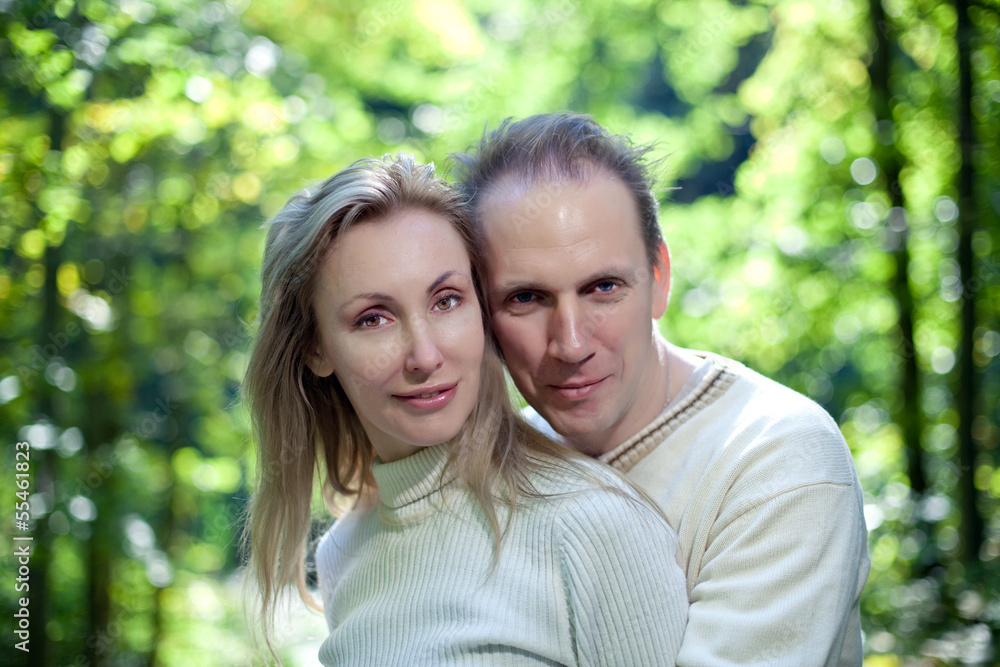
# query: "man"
{"points": [[756, 478]]}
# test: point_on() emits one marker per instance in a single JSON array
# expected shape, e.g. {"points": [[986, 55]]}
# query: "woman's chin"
{"points": [[440, 438]]}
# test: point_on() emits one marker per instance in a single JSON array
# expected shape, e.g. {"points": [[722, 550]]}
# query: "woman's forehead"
{"points": [[403, 249]]}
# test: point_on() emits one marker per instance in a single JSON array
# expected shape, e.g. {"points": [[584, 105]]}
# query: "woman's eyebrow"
{"points": [[443, 277], [378, 296], [372, 296]]}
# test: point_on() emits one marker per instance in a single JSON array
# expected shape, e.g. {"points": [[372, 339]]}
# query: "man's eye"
{"points": [[522, 297], [606, 286]]}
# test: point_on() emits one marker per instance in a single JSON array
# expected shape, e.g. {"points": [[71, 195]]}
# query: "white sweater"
{"points": [[761, 487], [581, 578]]}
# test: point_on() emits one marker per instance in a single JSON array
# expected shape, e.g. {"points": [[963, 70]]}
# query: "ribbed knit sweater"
{"points": [[761, 487], [587, 577]]}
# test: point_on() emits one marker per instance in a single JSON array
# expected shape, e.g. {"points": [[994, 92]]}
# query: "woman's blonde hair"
{"points": [[304, 424]]}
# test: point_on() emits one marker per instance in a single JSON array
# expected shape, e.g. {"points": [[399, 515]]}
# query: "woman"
{"points": [[472, 540]]}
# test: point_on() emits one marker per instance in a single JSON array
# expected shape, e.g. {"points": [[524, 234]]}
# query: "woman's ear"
{"points": [[318, 364], [661, 281]]}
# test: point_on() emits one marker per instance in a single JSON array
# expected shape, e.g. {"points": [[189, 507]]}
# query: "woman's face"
{"points": [[400, 328]]}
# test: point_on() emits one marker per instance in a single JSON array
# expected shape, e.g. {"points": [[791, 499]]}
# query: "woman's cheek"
{"points": [[360, 360], [469, 329], [378, 358]]}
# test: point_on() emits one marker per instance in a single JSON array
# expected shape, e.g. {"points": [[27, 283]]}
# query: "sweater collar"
{"points": [[413, 478], [719, 378]]}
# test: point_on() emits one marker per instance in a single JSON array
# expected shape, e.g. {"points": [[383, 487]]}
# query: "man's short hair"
{"points": [[554, 147]]}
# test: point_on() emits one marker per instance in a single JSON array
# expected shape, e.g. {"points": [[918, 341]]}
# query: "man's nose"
{"points": [[569, 334]]}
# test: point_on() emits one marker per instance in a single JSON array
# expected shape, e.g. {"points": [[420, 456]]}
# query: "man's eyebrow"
{"points": [[610, 272], [621, 273], [514, 286]]}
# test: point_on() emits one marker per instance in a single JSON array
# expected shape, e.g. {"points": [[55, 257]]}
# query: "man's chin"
{"points": [[578, 432]]}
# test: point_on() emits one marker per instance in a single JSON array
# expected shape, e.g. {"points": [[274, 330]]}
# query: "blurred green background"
{"points": [[829, 188]]}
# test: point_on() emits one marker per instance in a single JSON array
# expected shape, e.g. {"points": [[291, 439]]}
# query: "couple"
{"points": [[473, 538]]}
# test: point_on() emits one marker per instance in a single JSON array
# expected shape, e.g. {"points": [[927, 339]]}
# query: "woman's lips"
{"points": [[429, 398], [576, 390]]}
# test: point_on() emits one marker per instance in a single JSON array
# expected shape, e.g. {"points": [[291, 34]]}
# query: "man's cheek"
{"points": [[512, 338], [531, 351]]}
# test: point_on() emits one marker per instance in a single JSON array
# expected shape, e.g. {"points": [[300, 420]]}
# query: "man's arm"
{"points": [[778, 583]]}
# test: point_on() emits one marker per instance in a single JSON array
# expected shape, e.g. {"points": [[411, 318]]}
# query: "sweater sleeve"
{"points": [[626, 594], [779, 583]]}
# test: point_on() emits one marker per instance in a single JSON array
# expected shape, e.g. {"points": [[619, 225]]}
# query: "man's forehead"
{"points": [[516, 206], [512, 188], [552, 254], [537, 226], [547, 239], [548, 175], [525, 273]]}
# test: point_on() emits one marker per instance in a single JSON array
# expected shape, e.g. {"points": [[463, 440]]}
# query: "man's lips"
{"points": [[428, 398], [574, 391]]}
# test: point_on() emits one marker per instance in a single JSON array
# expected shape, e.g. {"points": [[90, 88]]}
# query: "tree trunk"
{"points": [[42, 462], [972, 521], [908, 414], [100, 429]]}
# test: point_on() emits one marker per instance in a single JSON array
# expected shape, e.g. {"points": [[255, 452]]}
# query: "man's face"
{"points": [[573, 298]]}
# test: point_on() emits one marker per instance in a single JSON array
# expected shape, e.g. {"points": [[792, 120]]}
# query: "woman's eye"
{"points": [[370, 321], [448, 302]]}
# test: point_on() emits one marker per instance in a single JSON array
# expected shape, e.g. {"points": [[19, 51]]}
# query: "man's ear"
{"points": [[318, 364], [661, 280]]}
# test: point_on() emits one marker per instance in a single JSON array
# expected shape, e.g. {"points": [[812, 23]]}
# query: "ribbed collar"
{"points": [[715, 383], [414, 478]]}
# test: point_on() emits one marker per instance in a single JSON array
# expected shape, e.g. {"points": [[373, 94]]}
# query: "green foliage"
{"points": [[142, 144]]}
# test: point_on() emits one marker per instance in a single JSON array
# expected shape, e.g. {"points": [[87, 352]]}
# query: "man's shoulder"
{"points": [[750, 442], [758, 423], [755, 403]]}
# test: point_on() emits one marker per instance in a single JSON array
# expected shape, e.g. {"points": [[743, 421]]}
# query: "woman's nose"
{"points": [[424, 355]]}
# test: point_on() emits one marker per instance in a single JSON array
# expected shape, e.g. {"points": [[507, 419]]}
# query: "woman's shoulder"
{"points": [[599, 518], [552, 476], [595, 492], [343, 532]]}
